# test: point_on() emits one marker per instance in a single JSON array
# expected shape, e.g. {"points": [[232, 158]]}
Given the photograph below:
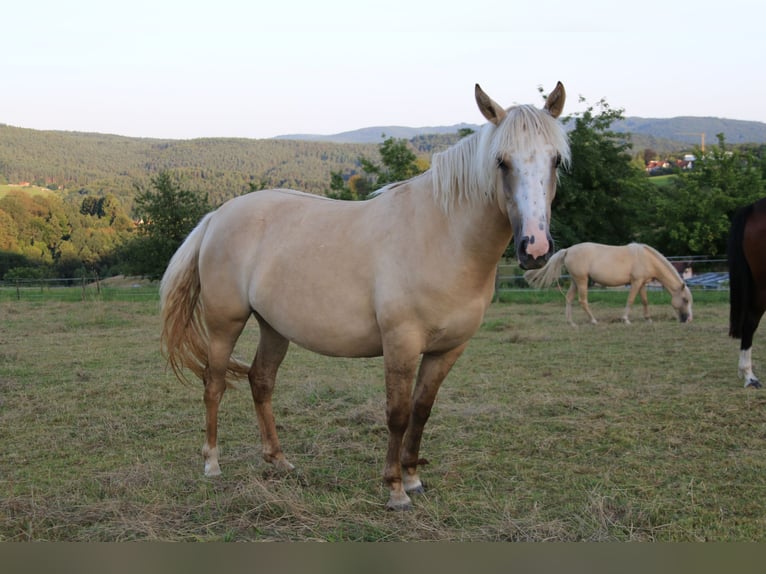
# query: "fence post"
{"points": [[83, 288], [18, 291]]}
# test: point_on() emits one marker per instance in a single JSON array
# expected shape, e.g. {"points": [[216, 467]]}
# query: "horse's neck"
{"points": [[482, 230], [476, 228], [664, 270]]}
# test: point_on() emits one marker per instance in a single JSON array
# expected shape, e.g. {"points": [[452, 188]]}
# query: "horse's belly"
{"points": [[333, 337]]}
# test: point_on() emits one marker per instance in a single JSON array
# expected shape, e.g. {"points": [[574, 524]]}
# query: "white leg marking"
{"points": [[411, 482], [211, 461], [745, 368]]}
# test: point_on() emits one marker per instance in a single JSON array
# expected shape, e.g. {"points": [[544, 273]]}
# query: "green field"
{"points": [[31, 190], [663, 180], [541, 432]]}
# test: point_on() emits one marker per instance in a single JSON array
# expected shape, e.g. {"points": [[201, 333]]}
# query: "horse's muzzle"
{"points": [[528, 261]]}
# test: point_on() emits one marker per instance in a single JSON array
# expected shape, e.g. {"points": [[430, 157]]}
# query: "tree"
{"points": [[168, 214], [693, 215], [601, 190], [398, 163]]}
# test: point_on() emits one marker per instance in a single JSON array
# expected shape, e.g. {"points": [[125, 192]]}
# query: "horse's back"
{"points": [[605, 264]]}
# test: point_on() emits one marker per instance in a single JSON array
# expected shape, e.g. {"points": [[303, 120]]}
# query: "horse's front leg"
{"points": [[433, 370], [645, 302], [634, 289], [400, 365]]}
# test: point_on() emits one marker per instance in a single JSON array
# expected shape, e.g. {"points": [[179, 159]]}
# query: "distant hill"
{"points": [[689, 129], [97, 164], [377, 134], [91, 163], [663, 133]]}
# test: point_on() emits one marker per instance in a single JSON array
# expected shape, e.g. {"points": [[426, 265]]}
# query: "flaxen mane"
{"points": [[458, 178]]}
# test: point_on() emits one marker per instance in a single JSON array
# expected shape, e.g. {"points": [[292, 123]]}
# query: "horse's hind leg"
{"points": [[569, 299], [272, 348], [634, 290], [433, 370], [223, 337], [745, 368], [582, 296], [746, 352]]}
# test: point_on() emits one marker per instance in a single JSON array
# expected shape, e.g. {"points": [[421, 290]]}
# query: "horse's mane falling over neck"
{"points": [[670, 274], [465, 173]]}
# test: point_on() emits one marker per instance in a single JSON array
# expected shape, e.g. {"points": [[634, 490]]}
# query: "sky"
{"points": [[183, 69]]}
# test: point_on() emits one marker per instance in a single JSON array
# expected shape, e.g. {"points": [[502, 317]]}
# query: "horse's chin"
{"points": [[527, 262]]}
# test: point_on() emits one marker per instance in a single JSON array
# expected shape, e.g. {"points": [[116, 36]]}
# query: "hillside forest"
{"points": [[77, 204]]}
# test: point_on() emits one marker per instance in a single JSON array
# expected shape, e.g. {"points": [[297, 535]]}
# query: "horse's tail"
{"points": [[546, 275], [184, 337], [741, 284]]}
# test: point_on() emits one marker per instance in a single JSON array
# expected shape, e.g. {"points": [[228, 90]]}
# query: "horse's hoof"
{"points": [[754, 383], [399, 502], [212, 470], [282, 465], [398, 508], [419, 489]]}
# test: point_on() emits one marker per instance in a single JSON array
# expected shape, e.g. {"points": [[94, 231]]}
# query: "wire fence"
{"points": [[79, 289], [509, 279], [699, 272]]}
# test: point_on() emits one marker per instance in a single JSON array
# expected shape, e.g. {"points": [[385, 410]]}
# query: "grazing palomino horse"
{"points": [[611, 265], [407, 274], [747, 281]]}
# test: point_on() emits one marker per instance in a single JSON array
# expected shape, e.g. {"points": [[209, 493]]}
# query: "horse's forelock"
{"points": [[467, 170], [526, 127]]}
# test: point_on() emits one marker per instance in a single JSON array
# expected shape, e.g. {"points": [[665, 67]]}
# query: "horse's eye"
{"points": [[501, 164], [557, 160]]}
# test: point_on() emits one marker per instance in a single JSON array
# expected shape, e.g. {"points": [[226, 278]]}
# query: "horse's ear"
{"points": [[554, 103], [488, 107]]}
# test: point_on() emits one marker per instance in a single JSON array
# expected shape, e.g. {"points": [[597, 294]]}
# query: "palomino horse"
{"points": [[406, 274], [747, 281], [611, 265]]}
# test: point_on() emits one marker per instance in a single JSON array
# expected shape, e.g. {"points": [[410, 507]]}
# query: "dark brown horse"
{"points": [[747, 281]]}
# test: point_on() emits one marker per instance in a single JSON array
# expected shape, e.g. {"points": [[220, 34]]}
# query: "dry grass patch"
{"points": [[541, 432]]}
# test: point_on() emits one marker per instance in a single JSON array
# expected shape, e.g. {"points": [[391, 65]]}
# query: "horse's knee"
{"points": [[398, 419], [262, 388]]}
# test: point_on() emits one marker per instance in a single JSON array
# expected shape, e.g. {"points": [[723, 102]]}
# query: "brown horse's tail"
{"points": [[184, 337], [546, 275], [741, 284]]}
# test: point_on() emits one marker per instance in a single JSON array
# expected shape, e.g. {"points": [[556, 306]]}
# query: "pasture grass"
{"points": [[542, 432], [33, 190]]}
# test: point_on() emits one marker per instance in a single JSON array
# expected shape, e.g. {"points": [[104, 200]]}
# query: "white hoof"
{"points": [[212, 469], [399, 501], [283, 465], [211, 461]]}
